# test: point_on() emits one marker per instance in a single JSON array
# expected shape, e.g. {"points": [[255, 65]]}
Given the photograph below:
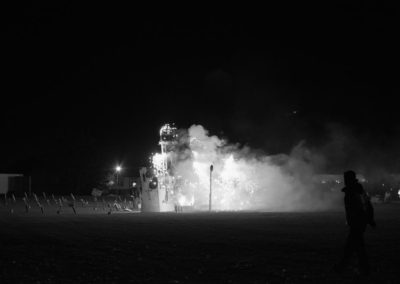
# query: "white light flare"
{"points": [[185, 201], [158, 162]]}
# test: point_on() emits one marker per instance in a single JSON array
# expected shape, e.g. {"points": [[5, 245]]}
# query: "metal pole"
{"points": [[210, 202]]}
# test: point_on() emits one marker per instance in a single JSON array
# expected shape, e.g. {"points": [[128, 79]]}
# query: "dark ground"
{"points": [[225, 247]]}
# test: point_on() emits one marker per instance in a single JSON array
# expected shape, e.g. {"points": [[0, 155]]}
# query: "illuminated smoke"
{"points": [[242, 180]]}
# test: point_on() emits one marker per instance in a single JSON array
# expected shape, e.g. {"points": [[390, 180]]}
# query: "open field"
{"points": [[224, 247]]}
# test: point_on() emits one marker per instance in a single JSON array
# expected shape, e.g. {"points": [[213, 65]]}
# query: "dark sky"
{"points": [[101, 80]]}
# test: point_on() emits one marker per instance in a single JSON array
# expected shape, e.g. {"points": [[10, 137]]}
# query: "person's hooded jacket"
{"points": [[359, 211]]}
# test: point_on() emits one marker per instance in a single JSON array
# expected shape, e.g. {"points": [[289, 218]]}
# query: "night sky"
{"points": [[97, 82]]}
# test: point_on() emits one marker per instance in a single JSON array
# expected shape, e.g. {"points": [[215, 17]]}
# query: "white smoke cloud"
{"points": [[244, 179]]}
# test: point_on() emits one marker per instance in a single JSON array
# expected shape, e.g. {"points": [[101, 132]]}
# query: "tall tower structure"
{"points": [[158, 183], [168, 141]]}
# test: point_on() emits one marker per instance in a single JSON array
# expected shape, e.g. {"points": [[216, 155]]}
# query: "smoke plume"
{"points": [[245, 179]]}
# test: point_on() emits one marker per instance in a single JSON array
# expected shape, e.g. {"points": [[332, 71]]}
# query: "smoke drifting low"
{"points": [[245, 179]]}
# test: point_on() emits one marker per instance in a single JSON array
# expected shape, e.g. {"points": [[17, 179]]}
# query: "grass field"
{"points": [[223, 247]]}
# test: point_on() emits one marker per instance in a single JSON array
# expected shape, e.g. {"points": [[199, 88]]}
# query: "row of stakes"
{"points": [[60, 203]]}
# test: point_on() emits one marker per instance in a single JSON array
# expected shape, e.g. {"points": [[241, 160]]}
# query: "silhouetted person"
{"points": [[359, 213]]}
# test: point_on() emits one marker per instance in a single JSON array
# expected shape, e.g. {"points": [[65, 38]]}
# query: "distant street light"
{"points": [[117, 170]]}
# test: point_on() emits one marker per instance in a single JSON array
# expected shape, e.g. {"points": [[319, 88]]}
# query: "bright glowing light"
{"points": [[118, 168], [133, 184], [182, 200], [231, 170], [159, 162]]}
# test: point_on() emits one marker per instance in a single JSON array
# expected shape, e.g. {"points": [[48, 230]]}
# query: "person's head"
{"points": [[349, 178]]}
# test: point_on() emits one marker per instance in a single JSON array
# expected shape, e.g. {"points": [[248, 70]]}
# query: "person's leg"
{"points": [[361, 252], [349, 249]]}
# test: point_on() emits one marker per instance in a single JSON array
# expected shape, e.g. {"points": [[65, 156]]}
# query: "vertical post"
{"points": [[117, 170], [210, 201]]}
